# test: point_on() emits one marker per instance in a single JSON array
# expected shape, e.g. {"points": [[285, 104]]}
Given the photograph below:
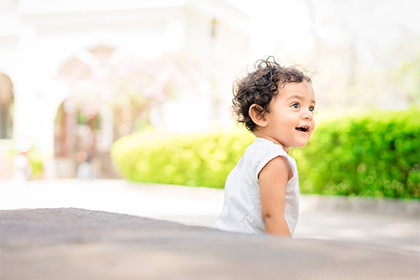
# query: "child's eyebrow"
{"points": [[300, 97]]}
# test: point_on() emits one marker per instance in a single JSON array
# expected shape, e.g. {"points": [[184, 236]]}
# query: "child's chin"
{"points": [[301, 145]]}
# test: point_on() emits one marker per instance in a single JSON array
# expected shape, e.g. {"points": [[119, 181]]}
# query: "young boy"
{"points": [[262, 192]]}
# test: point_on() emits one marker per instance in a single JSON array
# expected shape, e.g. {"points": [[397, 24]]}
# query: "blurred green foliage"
{"points": [[35, 158], [36, 161], [377, 154], [192, 160]]}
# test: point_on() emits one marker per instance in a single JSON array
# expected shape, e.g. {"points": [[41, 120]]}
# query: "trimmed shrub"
{"points": [[371, 155], [192, 160]]}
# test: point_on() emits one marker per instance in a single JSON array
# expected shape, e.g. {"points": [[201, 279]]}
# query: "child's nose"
{"points": [[307, 115]]}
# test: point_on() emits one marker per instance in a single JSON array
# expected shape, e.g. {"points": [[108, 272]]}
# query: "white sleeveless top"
{"points": [[242, 205]]}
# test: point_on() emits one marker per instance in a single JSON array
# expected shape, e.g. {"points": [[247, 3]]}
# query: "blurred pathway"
{"points": [[200, 206]]}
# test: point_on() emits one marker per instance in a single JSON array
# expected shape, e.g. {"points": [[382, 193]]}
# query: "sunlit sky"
{"points": [[287, 26]]}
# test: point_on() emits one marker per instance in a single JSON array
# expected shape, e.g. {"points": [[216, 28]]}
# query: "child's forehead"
{"points": [[300, 90]]}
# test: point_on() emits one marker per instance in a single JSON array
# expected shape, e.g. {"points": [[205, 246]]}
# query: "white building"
{"points": [[42, 40]]}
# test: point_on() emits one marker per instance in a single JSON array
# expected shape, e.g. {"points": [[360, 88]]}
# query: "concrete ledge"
{"points": [[69, 243]]}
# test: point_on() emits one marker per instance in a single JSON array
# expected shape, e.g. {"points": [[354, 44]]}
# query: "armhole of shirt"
{"points": [[292, 171]]}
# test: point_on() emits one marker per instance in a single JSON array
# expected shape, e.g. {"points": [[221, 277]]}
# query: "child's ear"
{"points": [[256, 112]]}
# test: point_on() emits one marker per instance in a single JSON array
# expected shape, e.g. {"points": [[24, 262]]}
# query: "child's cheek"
{"points": [[313, 128]]}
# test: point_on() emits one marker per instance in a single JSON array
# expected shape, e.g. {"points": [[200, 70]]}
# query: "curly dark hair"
{"points": [[260, 86]]}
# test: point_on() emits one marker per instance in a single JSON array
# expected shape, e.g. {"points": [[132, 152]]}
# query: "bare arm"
{"points": [[273, 180]]}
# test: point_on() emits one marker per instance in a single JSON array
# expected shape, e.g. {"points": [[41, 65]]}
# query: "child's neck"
{"points": [[259, 134]]}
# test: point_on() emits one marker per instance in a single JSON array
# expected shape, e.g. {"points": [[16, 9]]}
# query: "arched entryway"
{"points": [[83, 128], [6, 107], [112, 95], [77, 139], [6, 125]]}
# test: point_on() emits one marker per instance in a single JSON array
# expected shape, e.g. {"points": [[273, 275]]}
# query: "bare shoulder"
{"points": [[277, 168]]}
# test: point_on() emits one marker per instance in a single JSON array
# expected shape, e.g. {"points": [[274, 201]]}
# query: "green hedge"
{"points": [[370, 155], [192, 160]]}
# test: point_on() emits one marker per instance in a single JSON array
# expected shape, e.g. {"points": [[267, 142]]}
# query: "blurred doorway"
{"points": [[6, 125], [79, 138], [83, 123], [6, 107]]}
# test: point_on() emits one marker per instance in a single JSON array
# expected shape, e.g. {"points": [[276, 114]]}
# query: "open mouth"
{"points": [[302, 128]]}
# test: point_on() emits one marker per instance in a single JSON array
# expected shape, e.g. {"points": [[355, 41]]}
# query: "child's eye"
{"points": [[313, 110], [296, 105]]}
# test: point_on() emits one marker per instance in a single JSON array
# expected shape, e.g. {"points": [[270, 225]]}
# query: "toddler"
{"points": [[277, 105]]}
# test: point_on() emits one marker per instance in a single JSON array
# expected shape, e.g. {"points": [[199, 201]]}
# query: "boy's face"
{"points": [[290, 121]]}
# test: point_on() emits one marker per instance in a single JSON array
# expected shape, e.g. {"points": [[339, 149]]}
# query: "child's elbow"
{"points": [[276, 225]]}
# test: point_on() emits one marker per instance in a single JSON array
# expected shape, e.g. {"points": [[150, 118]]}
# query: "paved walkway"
{"points": [[319, 219]]}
